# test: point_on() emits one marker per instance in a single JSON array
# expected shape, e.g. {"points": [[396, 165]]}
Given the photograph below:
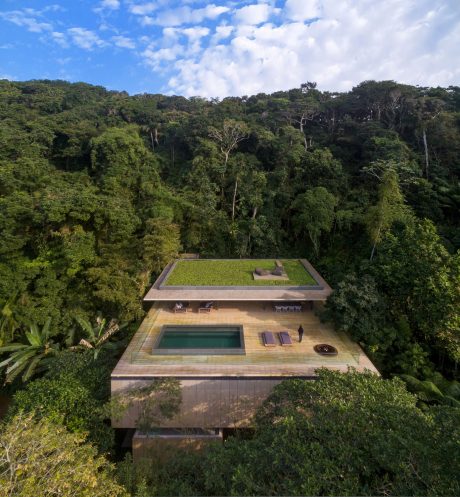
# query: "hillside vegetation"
{"points": [[99, 190]]}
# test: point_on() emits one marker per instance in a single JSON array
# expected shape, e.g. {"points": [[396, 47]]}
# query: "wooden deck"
{"points": [[259, 361]]}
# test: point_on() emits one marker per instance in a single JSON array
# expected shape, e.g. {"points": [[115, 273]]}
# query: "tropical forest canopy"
{"points": [[99, 190]]}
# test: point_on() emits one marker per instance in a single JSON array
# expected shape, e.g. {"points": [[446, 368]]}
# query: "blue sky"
{"points": [[221, 48]]}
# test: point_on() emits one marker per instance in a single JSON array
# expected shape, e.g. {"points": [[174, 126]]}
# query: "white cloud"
{"points": [[107, 5], [182, 15], [123, 42], [221, 33], [147, 21], [253, 14], [85, 38], [170, 32], [414, 43], [60, 38], [110, 4], [195, 33], [176, 43], [302, 10], [194, 36], [27, 18], [142, 9], [154, 57], [54, 8]]}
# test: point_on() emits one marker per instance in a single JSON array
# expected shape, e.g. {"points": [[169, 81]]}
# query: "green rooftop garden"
{"points": [[202, 272]]}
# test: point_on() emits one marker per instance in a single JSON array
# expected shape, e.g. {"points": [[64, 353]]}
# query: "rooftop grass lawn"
{"points": [[203, 272]]}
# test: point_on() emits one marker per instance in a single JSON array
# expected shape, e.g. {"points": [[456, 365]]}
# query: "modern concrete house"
{"points": [[217, 326]]}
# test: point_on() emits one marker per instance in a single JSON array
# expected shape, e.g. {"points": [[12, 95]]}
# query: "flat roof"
{"points": [[298, 360], [304, 283]]}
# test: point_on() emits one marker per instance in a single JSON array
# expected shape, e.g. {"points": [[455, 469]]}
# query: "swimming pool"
{"points": [[200, 340]]}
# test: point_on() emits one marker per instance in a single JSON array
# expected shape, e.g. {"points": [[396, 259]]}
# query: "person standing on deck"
{"points": [[300, 330]]}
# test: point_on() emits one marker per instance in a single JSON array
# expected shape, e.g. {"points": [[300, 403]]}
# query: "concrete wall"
{"points": [[206, 402], [163, 447]]}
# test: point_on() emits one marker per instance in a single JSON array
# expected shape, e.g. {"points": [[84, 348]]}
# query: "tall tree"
{"points": [[421, 280], [315, 213], [228, 137], [426, 110], [390, 208]]}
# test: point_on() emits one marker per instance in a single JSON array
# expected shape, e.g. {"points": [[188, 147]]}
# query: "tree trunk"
{"points": [[425, 145], [222, 192], [375, 243], [373, 251], [151, 141], [234, 199], [302, 122]]}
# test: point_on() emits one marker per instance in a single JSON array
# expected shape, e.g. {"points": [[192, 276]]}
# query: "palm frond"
{"points": [[31, 369], [453, 390], [450, 401], [12, 347], [100, 327], [20, 361], [5, 362], [33, 336], [86, 327], [85, 343], [112, 329], [11, 376], [69, 339], [46, 330]]}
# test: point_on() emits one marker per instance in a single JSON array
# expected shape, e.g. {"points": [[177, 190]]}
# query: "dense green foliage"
{"points": [[345, 434], [38, 457], [435, 391], [98, 335], [99, 190], [73, 393], [235, 273], [31, 357]]}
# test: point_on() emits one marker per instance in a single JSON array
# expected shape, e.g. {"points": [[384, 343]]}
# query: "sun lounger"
{"points": [[205, 306], [268, 339], [181, 307], [285, 339]]}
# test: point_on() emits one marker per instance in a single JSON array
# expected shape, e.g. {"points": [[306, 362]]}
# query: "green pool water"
{"points": [[219, 337], [187, 338]]}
